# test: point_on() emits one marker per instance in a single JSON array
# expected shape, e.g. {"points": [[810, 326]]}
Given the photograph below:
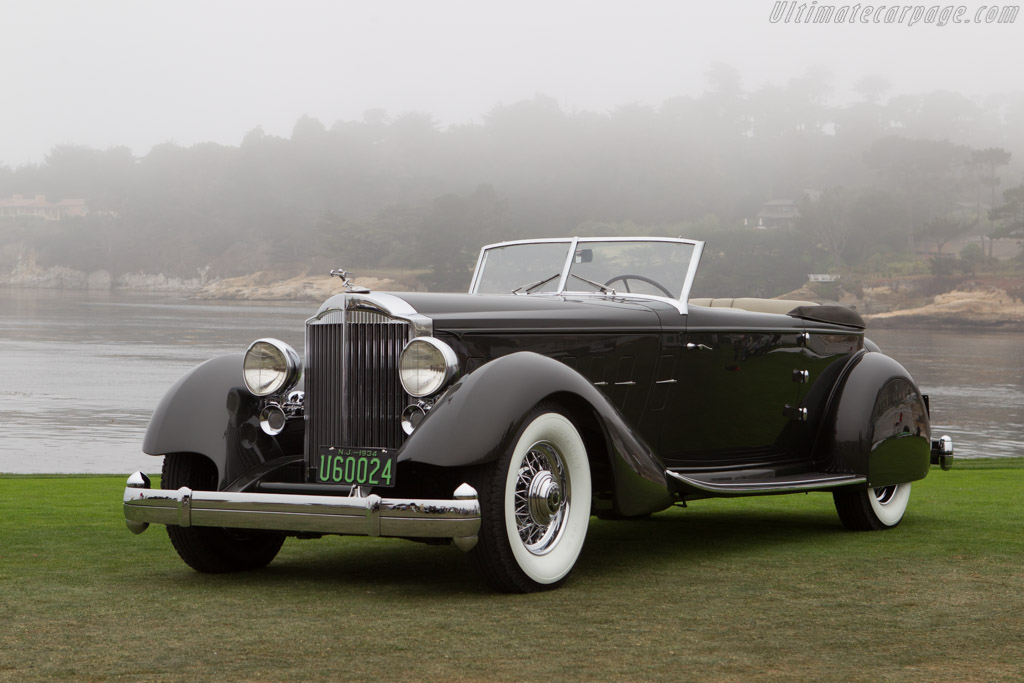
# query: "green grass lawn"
{"points": [[768, 588]]}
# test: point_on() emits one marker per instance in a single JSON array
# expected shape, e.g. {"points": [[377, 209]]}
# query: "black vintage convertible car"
{"points": [[576, 378]]}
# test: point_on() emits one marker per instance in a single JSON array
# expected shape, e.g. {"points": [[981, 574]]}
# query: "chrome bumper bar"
{"points": [[942, 452], [457, 519]]}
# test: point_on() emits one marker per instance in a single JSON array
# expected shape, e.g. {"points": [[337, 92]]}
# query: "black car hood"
{"points": [[492, 312]]}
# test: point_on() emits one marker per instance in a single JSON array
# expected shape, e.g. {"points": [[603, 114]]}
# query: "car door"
{"points": [[727, 389]]}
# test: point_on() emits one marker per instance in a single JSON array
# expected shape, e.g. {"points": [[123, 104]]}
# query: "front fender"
{"points": [[477, 419], [878, 425], [210, 412]]}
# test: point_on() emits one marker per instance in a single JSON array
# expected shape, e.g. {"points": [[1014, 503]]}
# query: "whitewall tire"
{"points": [[889, 503], [872, 509], [535, 506]]}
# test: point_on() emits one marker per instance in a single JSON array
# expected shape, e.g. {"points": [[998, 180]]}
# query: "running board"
{"points": [[794, 483]]}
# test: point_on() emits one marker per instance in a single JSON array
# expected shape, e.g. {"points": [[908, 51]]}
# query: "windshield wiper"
{"points": [[534, 285], [604, 288]]}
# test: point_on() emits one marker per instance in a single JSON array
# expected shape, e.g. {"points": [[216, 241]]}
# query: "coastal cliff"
{"points": [[987, 308], [994, 304]]}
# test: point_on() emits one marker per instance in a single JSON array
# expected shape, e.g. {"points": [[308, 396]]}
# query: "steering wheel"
{"points": [[625, 282]]}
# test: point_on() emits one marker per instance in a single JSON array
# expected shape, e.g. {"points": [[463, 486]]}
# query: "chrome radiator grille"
{"points": [[353, 394]]}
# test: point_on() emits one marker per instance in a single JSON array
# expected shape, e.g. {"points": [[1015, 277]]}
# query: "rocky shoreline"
{"points": [[899, 305], [974, 308], [268, 287], [985, 309], [26, 273]]}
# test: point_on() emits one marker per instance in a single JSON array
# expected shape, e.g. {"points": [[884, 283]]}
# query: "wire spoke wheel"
{"points": [[541, 498], [535, 506]]}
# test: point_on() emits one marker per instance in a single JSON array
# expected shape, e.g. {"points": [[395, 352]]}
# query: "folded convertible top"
{"points": [[830, 313]]}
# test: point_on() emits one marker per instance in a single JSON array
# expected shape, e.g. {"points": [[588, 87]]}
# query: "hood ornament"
{"points": [[347, 282]]}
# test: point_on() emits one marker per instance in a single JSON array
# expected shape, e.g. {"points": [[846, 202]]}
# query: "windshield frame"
{"points": [[573, 243]]}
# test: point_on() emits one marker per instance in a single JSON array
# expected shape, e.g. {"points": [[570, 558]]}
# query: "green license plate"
{"points": [[356, 466]]}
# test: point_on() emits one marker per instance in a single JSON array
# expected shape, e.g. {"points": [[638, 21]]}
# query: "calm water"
{"points": [[80, 374]]}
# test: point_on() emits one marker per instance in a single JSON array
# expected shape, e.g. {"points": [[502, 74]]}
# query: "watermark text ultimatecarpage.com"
{"points": [[798, 12]]}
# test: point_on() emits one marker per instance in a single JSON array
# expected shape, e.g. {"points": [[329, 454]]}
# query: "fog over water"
{"points": [[119, 72]]}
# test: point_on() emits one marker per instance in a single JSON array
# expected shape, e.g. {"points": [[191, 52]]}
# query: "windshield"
{"points": [[656, 268], [528, 268], [646, 266]]}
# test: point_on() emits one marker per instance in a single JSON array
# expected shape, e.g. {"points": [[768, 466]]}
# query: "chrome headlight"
{"points": [[426, 365], [270, 367]]}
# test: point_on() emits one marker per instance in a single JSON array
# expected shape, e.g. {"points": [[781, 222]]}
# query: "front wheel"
{"points": [[535, 506], [872, 509], [210, 549]]}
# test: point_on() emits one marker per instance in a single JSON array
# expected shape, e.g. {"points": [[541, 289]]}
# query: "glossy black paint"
{"points": [[210, 412], [478, 418], [619, 364], [715, 392], [496, 314], [877, 423], [741, 379]]}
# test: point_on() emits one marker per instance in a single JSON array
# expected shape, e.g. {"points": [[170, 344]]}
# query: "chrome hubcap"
{"points": [[545, 498], [541, 498]]}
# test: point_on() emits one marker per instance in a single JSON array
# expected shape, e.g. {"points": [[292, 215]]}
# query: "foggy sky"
{"points": [[128, 72]]}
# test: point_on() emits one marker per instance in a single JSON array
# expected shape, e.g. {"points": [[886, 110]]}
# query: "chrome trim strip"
{"points": [[371, 515], [388, 304], [742, 487], [567, 266], [555, 240], [621, 297], [691, 273], [481, 262]]}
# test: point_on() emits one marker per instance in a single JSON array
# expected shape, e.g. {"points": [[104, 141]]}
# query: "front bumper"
{"points": [[457, 519], [942, 452]]}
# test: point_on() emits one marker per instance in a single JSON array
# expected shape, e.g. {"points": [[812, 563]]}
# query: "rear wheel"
{"points": [[210, 549], [872, 509], [535, 506]]}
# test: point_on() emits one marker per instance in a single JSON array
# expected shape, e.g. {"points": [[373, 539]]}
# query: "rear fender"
{"points": [[478, 418], [878, 424], [210, 412]]}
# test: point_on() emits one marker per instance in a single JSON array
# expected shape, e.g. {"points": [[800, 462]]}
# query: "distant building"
{"points": [[784, 213], [38, 207]]}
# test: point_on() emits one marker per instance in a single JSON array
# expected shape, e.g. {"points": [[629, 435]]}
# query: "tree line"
{"points": [[880, 178]]}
